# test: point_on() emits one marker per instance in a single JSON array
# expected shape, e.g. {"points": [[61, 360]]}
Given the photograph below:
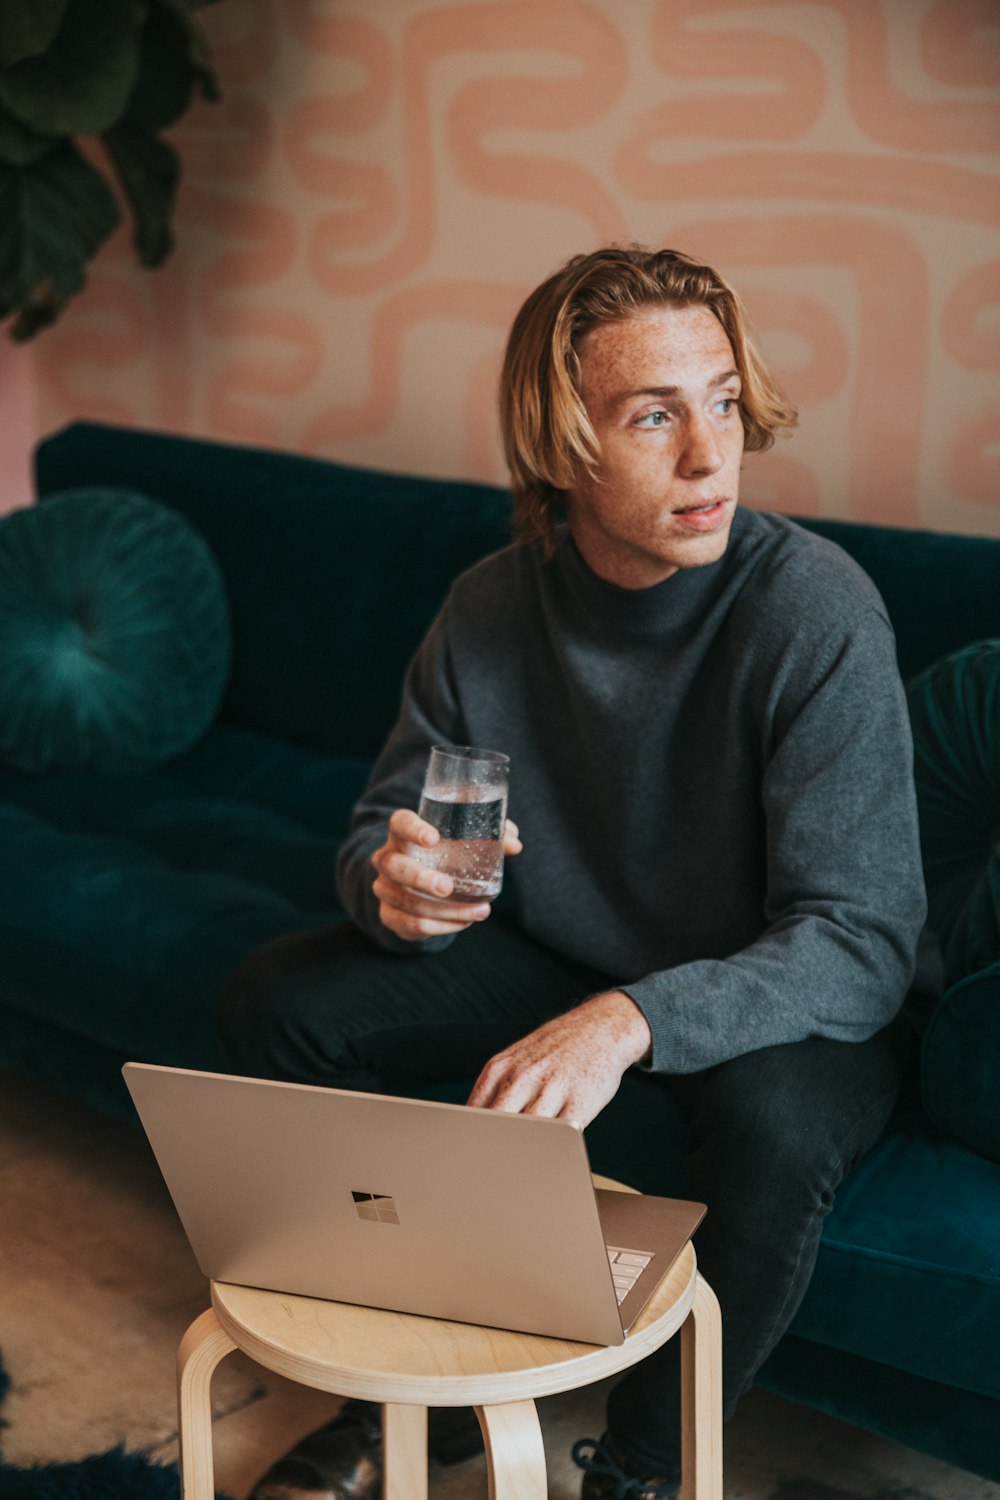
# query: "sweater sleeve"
{"points": [[845, 898], [429, 715]]}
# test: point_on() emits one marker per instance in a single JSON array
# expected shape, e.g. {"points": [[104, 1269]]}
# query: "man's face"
{"points": [[662, 391]]}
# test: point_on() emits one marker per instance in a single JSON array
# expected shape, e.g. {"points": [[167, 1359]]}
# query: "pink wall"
{"points": [[17, 426], [382, 185]]}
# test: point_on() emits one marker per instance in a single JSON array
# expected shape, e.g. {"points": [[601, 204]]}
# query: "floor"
{"points": [[98, 1284]]}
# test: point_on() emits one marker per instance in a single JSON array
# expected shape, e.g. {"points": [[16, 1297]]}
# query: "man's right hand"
{"points": [[412, 898]]}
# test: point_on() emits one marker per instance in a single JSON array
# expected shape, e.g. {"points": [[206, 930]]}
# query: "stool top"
{"points": [[377, 1355]]}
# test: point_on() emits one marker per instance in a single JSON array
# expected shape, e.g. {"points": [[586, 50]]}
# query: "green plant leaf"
{"points": [[27, 27], [198, 49], [201, 61], [82, 84], [18, 144], [53, 216], [173, 61], [191, 4], [120, 69], [149, 170], [163, 87]]}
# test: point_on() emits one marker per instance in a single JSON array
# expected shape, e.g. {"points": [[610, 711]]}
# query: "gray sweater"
{"points": [[712, 779]]}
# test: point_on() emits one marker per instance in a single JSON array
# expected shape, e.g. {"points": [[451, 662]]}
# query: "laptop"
{"points": [[471, 1215]]}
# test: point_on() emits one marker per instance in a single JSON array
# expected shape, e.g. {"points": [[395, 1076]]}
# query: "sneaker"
{"points": [[609, 1476], [343, 1460]]}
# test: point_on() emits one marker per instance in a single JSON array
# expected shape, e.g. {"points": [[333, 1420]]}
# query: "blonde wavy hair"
{"points": [[548, 438]]}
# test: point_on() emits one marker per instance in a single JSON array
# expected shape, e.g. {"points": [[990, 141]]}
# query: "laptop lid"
{"points": [[472, 1215]]}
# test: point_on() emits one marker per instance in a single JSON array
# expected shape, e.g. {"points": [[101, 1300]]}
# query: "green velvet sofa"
{"points": [[128, 895]]}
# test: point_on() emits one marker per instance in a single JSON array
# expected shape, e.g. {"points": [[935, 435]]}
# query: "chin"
{"points": [[698, 552]]}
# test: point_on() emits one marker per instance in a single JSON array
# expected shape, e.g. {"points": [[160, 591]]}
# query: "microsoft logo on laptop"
{"points": [[377, 1206]]}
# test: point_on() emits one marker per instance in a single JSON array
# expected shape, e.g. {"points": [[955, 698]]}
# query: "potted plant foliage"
{"points": [[117, 71]]}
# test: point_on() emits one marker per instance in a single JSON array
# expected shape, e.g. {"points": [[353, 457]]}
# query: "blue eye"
{"points": [[726, 404], [652, 419]]}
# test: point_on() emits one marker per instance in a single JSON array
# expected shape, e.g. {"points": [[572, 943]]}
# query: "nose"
{"points": [[702, 450]]}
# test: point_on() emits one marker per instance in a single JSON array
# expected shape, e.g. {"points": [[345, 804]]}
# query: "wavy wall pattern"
{"points": [[383, 184]]}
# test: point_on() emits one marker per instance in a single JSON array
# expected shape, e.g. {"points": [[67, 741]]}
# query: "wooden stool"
{"points": [[409, 1363]]}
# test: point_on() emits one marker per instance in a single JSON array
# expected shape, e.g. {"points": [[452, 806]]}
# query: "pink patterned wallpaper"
{"points": [[384, 182]]}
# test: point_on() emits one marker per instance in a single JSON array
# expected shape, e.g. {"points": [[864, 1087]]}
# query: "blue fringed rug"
{"points": [[116, 1475], [107, 1476]]}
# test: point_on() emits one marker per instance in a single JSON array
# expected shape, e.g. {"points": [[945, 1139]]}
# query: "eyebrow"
{"points": [[664, 391]]}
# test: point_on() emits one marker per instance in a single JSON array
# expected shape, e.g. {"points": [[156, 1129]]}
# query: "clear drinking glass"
{"points": [[465, 799]]}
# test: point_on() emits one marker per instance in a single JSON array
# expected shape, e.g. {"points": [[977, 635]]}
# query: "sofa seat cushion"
{"points": [[114, 630], [909, 1267], [235, 803], [128, 899]]}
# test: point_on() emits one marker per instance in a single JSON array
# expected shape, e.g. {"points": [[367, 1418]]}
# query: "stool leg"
{"points": [[701, 1397], [201, 1349], [404, 1444], [515, 1457]]}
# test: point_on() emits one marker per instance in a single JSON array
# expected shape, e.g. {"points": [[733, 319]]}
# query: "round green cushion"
{"points": [[114, 633], [955, 715]]}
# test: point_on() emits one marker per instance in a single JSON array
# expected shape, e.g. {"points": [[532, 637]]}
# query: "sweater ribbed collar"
{"points": [[607, 607]]}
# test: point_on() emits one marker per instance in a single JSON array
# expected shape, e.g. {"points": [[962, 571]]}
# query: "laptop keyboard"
{"points": [[626, 1268]]}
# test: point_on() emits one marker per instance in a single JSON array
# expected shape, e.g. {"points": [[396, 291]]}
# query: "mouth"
{"points": [[704, 517]]}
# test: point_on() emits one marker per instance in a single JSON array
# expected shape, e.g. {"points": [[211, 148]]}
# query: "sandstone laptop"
{"points": [[471, 1215]]}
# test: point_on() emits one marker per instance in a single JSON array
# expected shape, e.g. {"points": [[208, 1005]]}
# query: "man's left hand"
{"points": [[571, 1067]]}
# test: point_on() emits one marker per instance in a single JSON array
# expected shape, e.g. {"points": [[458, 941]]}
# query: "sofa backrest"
{"points": [[335, 572], [942, 591]]}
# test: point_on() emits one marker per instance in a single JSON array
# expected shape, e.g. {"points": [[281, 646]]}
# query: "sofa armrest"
{"points": [[960, 1062]]}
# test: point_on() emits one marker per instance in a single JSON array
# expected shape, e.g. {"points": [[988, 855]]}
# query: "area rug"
{"points": [[115, 1475]]}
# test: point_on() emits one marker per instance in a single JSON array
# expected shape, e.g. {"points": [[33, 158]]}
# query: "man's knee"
{"points": [[248, 1009], [240, 1007], [269, 1010], [798, 1116]]}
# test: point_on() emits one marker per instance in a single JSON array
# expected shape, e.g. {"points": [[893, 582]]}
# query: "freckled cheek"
{"points": [[634, 464]]}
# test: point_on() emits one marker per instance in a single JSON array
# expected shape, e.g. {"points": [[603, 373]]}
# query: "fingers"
{"points": [[525, 1092], [408, 827], [397, 868], [535, 1074], [520, 1088], [413, 897], [395, 862], [414, 917], [511, 839], [526, 1097], [563, 1070]]}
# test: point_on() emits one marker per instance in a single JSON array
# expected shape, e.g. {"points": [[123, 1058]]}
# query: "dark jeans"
{"points": [[771, 1133]]}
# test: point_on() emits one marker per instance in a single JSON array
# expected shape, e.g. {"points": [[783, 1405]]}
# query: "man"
{"points": [[710, 761]]}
